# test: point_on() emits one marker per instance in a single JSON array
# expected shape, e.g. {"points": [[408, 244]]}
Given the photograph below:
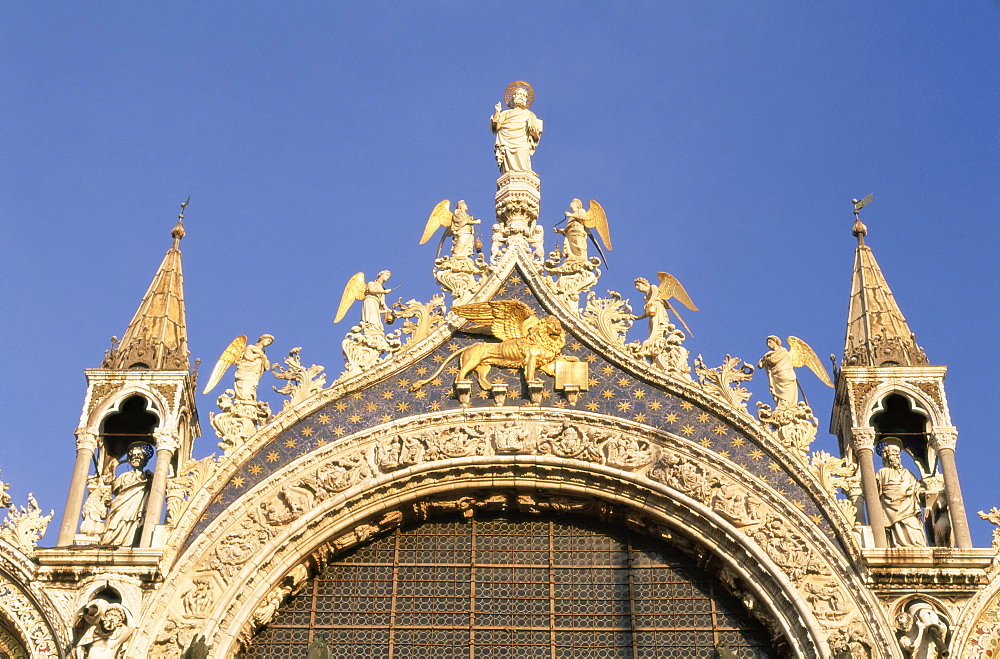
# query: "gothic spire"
{"points": [[157, 336], [877, 333]]}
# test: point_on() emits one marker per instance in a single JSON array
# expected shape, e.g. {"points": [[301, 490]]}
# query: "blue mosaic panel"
{"points": [[612, 391]]}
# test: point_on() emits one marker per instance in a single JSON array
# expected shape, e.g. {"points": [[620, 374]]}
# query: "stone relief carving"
{"points": [[301, 382], [570, 442], [398, 452], [665, 351], [419, 318], [922, 631], [190, 477], [103, 629], [363, 348], [723, 382], [838, 474], [793, 427], [460, 276], [610, 316], [238, 546], [269, 605], [787, 549], [571, 277], [850, 640], [459, 442], [825, 600], [197, 599], [24, 525], [28, 621], [734, 503], [511, 437], [682, 474], [238, 420], [627, 452]]}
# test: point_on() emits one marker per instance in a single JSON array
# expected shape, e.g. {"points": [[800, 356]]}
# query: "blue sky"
{"points": [[725, 140]]}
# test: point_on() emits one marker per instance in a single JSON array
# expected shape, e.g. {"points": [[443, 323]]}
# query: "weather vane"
{"points": [[178, 231], [860, 230]]}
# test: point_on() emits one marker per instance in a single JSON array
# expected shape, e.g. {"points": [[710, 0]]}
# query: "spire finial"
{"points": [[860, 230], [178, 231]]}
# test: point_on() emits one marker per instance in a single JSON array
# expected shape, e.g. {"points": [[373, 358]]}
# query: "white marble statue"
{"points": [[372, 298], [251, 363], [779, 364], [925, 632], [579, 222], [105, 630], [899, 492], [459, 226], [129, 491], [517, 129]]}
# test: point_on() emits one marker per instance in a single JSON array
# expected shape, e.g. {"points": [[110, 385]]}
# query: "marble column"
{"points": [[166, 445], [86, 445], [943, 439], [863, 440]]}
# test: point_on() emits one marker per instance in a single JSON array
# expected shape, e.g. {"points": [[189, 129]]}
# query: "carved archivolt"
{"points": [[31, 625], [346, 493]]}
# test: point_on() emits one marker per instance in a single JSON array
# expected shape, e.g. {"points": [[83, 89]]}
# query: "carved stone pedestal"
{"points": [[535, 389], [499, 393], [463, 390], [517, 205]]}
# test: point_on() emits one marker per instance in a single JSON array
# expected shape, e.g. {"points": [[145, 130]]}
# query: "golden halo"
{"points": [[519, 84]]}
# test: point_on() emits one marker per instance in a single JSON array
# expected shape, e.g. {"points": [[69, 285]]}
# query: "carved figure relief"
{"points": [[794, 427], [923, 632], [789, 551], [398, 452], [627, 452], [103, 630], [457, 442], [198, 598], [570, 442], [511, 437]]}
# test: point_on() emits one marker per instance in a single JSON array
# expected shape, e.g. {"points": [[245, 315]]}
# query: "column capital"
{"points": [[86, 439], [166, 440], [944, 437], [863, 438]]}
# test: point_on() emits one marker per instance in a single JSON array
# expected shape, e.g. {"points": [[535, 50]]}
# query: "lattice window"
{"points": [[511, 587]]}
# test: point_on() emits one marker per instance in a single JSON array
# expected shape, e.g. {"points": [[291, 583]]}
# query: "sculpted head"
{"points": [[383, 276], [890, 452], [773, 342], [265, 340], [461, 205], [519, 99], [113, 618], [138, 454]]}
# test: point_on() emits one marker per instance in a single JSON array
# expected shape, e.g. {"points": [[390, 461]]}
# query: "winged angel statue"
{"points": [[367, 340], [526, 341], [459, 226], [780, 366], [657, 303], [241, 412], [579, 222]]}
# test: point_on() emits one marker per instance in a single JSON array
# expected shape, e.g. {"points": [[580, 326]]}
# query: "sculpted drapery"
{"points": [[518, 131]]}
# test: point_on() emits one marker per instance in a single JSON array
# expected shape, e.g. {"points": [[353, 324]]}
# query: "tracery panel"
{"points": [[512, 586]]}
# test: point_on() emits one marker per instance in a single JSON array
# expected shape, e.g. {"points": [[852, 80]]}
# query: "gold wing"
{"points": [[230, 356], [671, 288], [355, 290], [596, 219], [802, 355], [507, 319], [440, 217]]}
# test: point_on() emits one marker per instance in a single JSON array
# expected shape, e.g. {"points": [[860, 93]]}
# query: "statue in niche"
{"points": [[130, 491], [576, 233], [924, 633], [780, 364], [105, 630], [517, 129], [899, 492], [251, 363]]}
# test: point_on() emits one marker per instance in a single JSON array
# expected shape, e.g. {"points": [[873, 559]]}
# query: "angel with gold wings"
{"points": [[780, 364], [372, 298], [251, 363], [579, 222], [526, 341], [459, 226], [658, 302]]}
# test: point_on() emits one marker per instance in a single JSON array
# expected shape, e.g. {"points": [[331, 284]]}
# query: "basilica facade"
{"points": [[507, 475]]}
